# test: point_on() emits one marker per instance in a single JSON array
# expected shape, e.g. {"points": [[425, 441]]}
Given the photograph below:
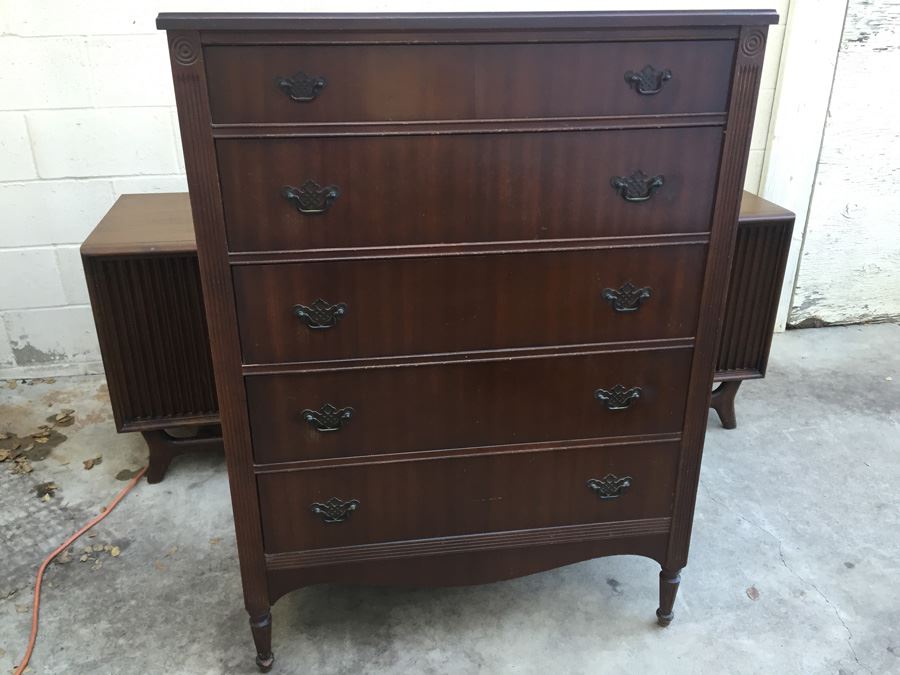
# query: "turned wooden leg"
{"points": [[723, 402], [668, 589], [261, 627]]}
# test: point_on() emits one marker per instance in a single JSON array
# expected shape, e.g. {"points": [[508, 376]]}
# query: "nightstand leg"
{"points": [[668, 589], [723, 402], [161, 453], [261, 627]]}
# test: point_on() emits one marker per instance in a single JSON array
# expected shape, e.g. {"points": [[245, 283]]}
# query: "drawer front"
{"points": [[363, 308], [340, 192], [392, 83], [466, 404], [465, 495]]}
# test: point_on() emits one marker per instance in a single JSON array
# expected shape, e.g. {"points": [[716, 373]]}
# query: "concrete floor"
{"points": [[794, 566]]}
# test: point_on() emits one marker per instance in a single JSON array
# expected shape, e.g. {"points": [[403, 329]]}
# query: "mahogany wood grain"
{"points": [[750, 51], [467, 566], [425, 407], [497, 183], [149, 314], [446, 497], [411, 190], [365, 24], [476, 81], [188, 74], [459, 303]]}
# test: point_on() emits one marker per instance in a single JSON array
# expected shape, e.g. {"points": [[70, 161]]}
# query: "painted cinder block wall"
{"points": [[87, 114]]}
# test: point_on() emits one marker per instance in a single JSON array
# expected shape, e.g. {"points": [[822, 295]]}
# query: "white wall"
{"points": [[87, 113], [850, 261]]}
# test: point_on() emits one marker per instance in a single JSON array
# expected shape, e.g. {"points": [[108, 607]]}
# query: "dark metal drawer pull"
{"points": [[328, 417], [311, 198], [335, 510], [301, 87], [610, 486], [628, 298], [649, 81], [618, 398], [638, 187], [320, 314]]}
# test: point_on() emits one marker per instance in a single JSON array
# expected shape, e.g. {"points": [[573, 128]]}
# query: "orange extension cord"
{"points": [[62, 547]]}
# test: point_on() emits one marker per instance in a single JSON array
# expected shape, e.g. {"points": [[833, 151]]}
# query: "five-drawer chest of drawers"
{"points": [[463, 277]]}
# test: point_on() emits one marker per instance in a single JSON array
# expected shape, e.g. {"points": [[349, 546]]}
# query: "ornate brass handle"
{"points": [[610, 486], [320, 314], [311, 198], [328, 417], [627, 298], [618, 398], [335, 510], [638, 187], [648, 81], [301, 87]]}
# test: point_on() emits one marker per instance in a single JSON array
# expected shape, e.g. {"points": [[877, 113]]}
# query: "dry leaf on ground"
{"points": [[91, 463]]}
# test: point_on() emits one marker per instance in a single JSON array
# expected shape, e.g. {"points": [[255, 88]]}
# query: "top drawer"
{"points": [[386, 83]]}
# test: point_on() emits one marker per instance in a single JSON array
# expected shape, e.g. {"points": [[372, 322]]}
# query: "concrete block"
{"points": [[145, 184], [16, 162], [29, 278], [109, 142], [43, 72], [71, 274], [6, 354], [54, 335], [51, 212], [131, 70], [83, 17]]}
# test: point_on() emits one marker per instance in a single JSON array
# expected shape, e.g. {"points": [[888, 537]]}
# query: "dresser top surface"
{"points": [[463, 20], [143, 224], [161, 223]]}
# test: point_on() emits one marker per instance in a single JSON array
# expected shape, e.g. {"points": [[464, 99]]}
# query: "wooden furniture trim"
{"points": [[545, 536], [445, 127], [189, 76], [443, 453], [482, 21], [451, 358], [749, 52], [472, 248]]}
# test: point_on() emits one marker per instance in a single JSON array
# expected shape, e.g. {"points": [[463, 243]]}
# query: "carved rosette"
{"points": [[753, 43], [184, 50]]}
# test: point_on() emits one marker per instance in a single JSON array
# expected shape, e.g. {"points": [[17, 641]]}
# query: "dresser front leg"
{"points": [[723, 402], [668, 589], [261, 627]]}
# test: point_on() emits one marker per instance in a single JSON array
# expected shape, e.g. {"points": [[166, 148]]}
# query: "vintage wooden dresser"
{"points": [[464, 277], [142, 258]]}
